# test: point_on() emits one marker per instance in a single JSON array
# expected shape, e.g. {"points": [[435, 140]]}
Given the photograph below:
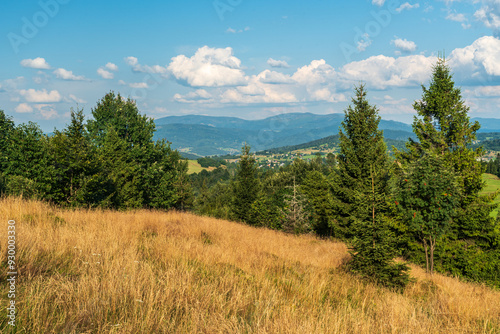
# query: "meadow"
{"points": [[492, 185], [104, 271]]}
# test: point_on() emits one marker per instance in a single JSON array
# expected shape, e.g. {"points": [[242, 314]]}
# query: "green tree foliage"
{"points": [[362, 150], [443, 128], [317, 189], [373, 251], [429, 197], [245, 186]]}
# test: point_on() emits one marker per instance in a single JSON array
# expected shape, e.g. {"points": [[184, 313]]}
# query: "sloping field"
{"points": [[151, 272], [492, 185]]}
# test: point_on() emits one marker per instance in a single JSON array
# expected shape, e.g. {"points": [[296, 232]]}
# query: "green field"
{"points": [[195, 167], [492, 185]]}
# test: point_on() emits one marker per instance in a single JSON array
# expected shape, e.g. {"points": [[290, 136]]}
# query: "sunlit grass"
{"points": [[154, 272], [492, 185]]}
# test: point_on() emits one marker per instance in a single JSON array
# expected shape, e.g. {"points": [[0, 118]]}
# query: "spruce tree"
{"points": [[362, 150], [245, 186], [362, 191], [443, 128]]}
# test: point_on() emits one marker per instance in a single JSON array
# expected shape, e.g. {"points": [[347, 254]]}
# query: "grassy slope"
{"points": [[492, 185], [195, 167], [152, 272]]}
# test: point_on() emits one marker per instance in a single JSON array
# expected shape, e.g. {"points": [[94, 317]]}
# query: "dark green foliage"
{"points": [[362, 150], [264, 212], [429, 196], [245, 186], [443, 128], [211, 162], [317, 189], [111, 161]]}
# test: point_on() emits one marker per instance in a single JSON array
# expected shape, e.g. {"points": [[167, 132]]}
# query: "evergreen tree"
{"points": [[245, 186], [443, 128], [362, 149], [429, 196], [317, 188], [373, 251]]}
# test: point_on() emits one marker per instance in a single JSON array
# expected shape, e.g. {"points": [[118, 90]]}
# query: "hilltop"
{"points": [[170, 272]]}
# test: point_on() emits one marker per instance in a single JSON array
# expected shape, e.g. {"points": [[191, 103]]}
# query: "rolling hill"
{"points": [[105, 271], [209, 135]]}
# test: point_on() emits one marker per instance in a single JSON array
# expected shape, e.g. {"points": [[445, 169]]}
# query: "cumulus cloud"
{"points": [[111, 67], [61, 73], [404, 45], [407, 6], [38, 63], [362, 44], [105, 74], [209, 67], [480, 58], [40, 96], [136, 67], [272, 77], [381, 72], [277, 63], [457, 17], [200, 96], [23, 108]]}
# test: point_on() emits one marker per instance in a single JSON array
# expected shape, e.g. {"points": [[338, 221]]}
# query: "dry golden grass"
{"points": [[152, 272]]}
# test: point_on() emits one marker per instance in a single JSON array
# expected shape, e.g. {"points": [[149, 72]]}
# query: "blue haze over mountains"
{"points": [[210, 135]]}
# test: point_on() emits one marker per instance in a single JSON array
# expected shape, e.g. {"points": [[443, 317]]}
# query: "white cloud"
{"points": [[111, 67], [138, 85], [47, 111], [362, 44], [39, 63], [76, 99], [209, 67], [234, 31], [457, 17], [381, 72], [40, 96], [487, 91], [277, 63], [136, 67], [318, 72], [379, 3], [200, 96], [480, 58], [61, 73], [489, 14], [407, 6], [121, 82], [272, 77], [105, 74], [23, 108], [404, 45]]}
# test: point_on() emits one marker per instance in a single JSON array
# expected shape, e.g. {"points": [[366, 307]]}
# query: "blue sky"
{"points": [[249, 59]]}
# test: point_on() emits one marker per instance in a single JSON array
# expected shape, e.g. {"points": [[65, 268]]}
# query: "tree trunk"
{"points": [[426, 256], [432, 246]]}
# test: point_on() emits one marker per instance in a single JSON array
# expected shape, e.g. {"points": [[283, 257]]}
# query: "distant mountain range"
{"points": [[210, 135]]}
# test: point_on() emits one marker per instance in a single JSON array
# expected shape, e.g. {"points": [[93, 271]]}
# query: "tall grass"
{"points": [[152, 272]]}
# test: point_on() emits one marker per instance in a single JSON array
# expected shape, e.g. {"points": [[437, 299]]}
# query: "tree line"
{"points": [[110, 161]]}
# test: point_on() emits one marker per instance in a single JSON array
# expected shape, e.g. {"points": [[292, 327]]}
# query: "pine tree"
{"points": [[245, 186], [362, 149]]}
